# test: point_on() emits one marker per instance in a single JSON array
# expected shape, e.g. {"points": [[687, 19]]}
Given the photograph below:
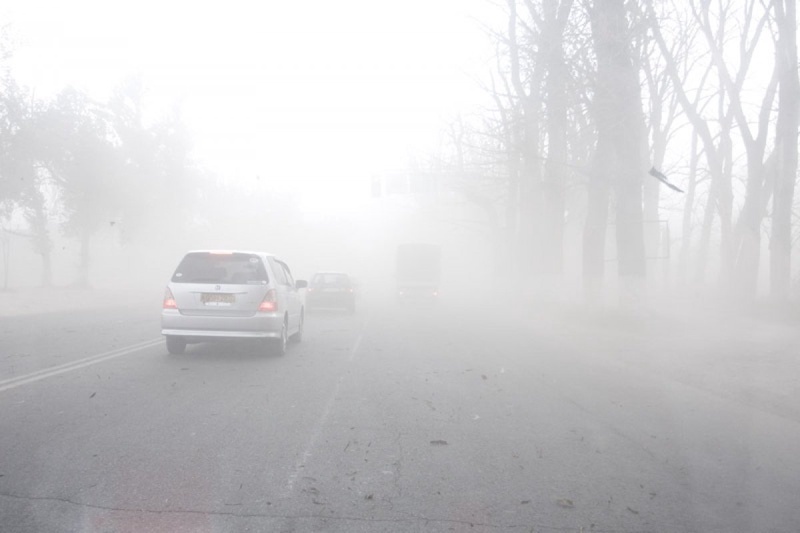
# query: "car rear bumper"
{"points": [[416, 292], [260, 325], [330, 300]]}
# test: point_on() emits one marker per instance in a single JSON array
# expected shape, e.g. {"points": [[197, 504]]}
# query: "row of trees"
{"points": [[74, 165], [588, 95]]}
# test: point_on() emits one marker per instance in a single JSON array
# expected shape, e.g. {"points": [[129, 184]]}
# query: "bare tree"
{"points": [[785, 148], [621, 128], [526, 73], [540, 107], [555, 16], [686, 226], [681, 64], [662, 110], [747, 239]]}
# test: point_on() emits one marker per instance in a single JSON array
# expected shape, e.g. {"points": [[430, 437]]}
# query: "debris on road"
{"points": [[565, 503], [439, 443]]}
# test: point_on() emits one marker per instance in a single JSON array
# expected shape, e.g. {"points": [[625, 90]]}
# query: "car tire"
{"points": [[279, 345], [176, 345], [298, 336]]}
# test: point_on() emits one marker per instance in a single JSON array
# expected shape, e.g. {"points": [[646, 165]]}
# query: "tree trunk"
{"points": [[530, 230], [36, 216], [748, 238], [786, 151], [723, 183], [552, 257], [688, 208], [652, 227], [512, 204], [594, 232], [555, 17], [618, 79], [530, 177], [83, 270], [705, 237], [6, 261]]}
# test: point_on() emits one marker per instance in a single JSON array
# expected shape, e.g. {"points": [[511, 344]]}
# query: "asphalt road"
{"points": [[390, 420]]}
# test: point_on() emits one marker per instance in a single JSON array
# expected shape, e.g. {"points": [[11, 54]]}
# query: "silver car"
{"points": [[232, 294]]}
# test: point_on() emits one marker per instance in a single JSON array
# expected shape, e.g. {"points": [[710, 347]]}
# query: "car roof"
{"points": [[218, 251]]}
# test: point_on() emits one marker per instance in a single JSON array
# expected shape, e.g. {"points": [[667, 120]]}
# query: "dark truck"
{"points": [[418, 271]]}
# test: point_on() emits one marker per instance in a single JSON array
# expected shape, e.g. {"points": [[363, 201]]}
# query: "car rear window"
{"points": [[234, 268], [331, 280]]}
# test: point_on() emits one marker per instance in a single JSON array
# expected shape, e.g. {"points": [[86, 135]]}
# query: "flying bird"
{"points": [[663, 179]]}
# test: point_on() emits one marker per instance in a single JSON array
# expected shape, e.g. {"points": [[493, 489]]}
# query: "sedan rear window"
{"points": [[330, 280], [233, 268]]}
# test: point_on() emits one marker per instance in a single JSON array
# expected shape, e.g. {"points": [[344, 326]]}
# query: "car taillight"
{"points": [[169, 300], [270, 302]]}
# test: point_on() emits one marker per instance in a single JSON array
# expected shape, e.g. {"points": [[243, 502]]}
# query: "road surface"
{"points": [[396, 420]]}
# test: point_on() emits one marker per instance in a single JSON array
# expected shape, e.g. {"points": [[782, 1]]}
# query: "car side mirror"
{"points": [[301, 284]]}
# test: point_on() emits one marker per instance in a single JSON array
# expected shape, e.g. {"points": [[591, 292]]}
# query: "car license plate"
{"points": [[217, 299]]}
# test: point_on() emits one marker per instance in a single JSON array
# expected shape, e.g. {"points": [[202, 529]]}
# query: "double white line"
{"points": [[75, 365]]}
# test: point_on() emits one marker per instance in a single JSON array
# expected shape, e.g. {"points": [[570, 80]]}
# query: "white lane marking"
{"points": [[300, 464], [45, 373], [355, 349]]}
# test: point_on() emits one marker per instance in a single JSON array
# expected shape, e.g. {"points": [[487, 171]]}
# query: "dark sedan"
{"points": [[331, 290]]}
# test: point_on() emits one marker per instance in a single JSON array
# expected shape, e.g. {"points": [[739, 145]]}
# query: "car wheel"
{"points": [[176, 345], [279, 344], [298, 336]]}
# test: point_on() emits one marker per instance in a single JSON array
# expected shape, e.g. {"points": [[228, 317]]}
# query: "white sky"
{"points": [[325, 93]]}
